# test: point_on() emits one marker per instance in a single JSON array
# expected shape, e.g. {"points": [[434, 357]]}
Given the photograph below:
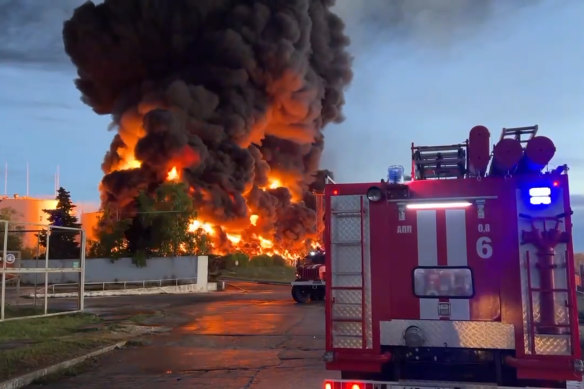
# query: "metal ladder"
{"points": [[439, 161], [347, 303], [547, 324], [518, 132]]}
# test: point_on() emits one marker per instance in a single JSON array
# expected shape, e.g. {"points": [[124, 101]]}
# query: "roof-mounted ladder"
{"points": [[522, 134], [439, 161]]}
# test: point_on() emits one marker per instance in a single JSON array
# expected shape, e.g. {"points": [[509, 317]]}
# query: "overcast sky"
{"points": [[424, 71]]}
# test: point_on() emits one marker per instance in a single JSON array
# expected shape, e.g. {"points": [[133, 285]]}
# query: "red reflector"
{"points": [[335, 192], [328, 385]]}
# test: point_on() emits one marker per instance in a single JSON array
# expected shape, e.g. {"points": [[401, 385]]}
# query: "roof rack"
{"points": [[517, 133], [447, 161]]}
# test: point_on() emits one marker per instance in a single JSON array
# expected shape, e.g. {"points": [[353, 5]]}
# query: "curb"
{"points": [[26, 379], [181, 289], [227, 278]]}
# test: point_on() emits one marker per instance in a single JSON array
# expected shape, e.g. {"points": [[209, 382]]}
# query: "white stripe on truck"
{"points": [[457, 256], [427, 256]]}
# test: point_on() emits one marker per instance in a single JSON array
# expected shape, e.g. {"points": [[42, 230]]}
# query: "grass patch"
{"points": [[43, 328], [146, 318], [11, 311], [262, 273], [30, 344]]}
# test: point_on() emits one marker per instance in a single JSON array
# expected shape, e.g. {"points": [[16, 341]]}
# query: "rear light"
{"points": [[335, 192], [342, 385], [349, 384]]}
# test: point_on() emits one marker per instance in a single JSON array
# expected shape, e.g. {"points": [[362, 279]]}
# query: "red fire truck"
{"points": [[309, 283], [462, 276]]}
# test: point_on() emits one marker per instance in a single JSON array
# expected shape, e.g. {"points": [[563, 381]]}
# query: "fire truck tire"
{"points": [[317, 294], [301, 294]]}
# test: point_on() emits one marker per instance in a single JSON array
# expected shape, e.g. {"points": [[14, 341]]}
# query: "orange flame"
{"points": [[131, 130], [266, 243], [246, 235], [280, 179], [274, 183], [129, 162], [234, 238], [245, 241], [172, 175], [197, 225]]}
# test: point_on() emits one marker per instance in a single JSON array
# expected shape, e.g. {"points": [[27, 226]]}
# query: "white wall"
{"points": [[104, 270]]}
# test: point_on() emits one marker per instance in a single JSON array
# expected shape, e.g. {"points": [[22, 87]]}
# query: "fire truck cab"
{"points": [[462, 276], [310, 272]]}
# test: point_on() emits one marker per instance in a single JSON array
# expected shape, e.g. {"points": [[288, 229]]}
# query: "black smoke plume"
{"points": [[229, 91]]}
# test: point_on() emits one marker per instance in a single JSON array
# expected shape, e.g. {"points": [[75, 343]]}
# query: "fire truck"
{"points": [[461, 276], [309, 284]]}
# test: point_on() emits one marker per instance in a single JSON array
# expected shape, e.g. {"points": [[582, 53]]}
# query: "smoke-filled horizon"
{"points": [[426, 76], [232, 94]]}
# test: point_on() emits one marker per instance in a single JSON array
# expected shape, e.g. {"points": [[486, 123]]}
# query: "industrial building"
{"points": [[29, 212]]}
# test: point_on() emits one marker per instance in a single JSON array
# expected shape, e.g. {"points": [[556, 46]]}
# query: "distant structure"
{"points": [[28, 210], [89, 222]]}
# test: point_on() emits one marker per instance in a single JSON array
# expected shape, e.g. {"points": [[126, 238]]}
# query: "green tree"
{"points": [[111, 240], [14, 237], [63, 244], [161, 224]]}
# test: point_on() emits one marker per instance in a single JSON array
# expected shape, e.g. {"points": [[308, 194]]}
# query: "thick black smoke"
{"points": [[229, 91]]}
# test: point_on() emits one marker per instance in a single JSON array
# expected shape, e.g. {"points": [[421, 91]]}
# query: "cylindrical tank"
{"points": [[506, 156], [538, 153], [478, 150]]}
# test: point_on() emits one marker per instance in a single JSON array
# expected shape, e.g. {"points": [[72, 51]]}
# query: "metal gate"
{"points": [[8, 270]]}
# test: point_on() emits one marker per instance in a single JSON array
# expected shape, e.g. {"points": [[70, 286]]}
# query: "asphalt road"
{"points": [[249, 336]]}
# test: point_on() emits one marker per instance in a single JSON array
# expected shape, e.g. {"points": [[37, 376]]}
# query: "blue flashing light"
{"points": [[395, 174], [537, 192], [540, 200], [540, 196]]}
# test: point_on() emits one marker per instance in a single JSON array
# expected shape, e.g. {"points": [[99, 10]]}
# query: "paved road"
{"points": [[250, 336]]}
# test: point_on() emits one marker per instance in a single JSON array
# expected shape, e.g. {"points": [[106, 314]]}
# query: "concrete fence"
{"points": [[120, 270]]}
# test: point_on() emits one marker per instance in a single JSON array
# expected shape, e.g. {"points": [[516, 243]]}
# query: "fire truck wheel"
{"points": [[301, 294], [317, 294]]}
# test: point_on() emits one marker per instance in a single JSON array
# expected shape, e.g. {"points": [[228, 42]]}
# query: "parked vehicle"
{"points": [[462, 276]]}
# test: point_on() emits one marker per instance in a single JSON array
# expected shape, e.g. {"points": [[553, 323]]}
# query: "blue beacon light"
{"points": [[540, 196]]}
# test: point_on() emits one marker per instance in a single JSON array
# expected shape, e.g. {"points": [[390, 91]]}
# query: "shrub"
{"points": [[261, 260], [236, 260], [279, 261]]}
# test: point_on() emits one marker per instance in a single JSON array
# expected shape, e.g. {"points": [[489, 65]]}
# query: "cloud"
{"points": [[431, 82], [577, 201], [421, 22], [31, 30]]}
